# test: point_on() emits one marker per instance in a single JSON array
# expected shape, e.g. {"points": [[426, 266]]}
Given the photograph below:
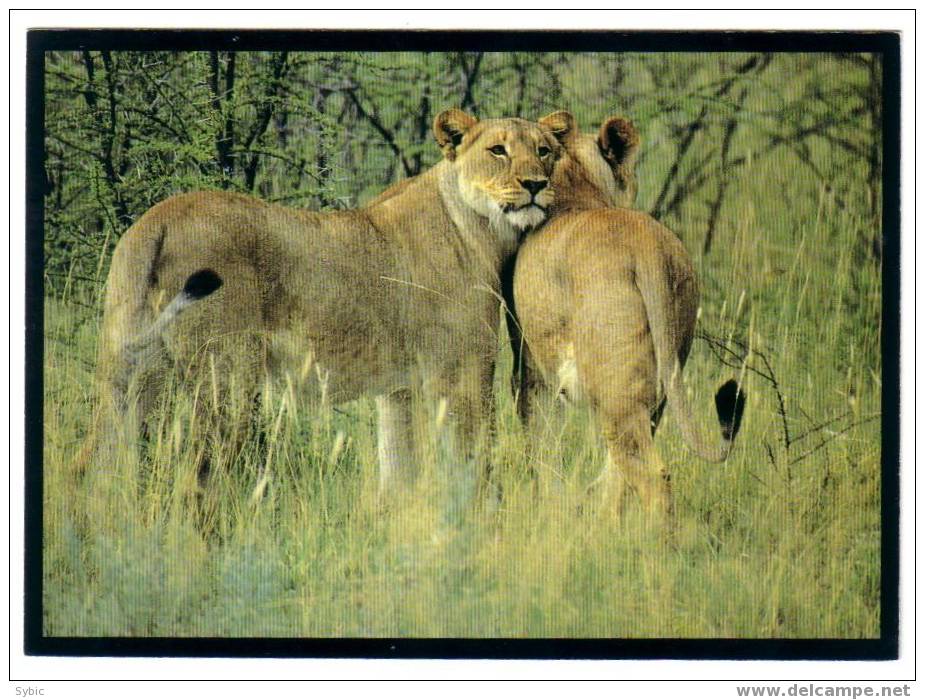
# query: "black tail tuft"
{"points": [[730, 405], [202, 283]]}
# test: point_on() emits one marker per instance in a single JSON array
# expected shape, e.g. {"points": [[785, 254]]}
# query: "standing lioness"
{"points": [[223, 288], [606, 300]]}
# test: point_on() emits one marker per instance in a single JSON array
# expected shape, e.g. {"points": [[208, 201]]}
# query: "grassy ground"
{"points": [[782, 541]]}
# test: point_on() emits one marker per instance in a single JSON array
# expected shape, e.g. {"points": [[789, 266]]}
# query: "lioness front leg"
{"points": [[470, 413], [397, 466], [527, 392]]}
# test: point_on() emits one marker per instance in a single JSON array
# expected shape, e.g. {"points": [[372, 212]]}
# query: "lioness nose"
{"points": [[534, 186]]}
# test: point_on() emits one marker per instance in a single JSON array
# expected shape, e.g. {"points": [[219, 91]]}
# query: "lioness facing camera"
{"points": [[606, 302], [223, 289]]}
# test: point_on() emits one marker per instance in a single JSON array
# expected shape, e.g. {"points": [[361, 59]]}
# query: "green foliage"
{"points": [[767, 166], [125, 130]]}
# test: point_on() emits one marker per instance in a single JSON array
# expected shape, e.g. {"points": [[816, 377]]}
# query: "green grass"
{"points": [[781, 541]]}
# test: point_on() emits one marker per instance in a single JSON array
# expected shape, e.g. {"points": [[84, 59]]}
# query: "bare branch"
{"points": [[386, 134], [264, 113], [754, 63]]}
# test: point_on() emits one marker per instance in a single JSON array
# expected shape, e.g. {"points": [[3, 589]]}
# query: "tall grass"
{"points": [[781, 541]]}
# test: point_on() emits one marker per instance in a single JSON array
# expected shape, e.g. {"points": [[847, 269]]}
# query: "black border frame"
{"points": [[883, 648]]}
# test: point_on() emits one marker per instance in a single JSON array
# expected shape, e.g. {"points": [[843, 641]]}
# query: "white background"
{"points": [[662, 678]]}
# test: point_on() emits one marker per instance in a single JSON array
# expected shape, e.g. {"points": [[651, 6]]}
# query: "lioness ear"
{"points": [[619, 143], [449, 127], [561, 124]]}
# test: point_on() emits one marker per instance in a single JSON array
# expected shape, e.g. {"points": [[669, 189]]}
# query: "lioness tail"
{"points": [[198, 285], [656, 289]]}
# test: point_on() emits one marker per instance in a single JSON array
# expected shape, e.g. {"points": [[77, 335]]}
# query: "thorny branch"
{"points": [[740, 352]]}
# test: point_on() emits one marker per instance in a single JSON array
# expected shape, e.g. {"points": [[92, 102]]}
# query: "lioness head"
{"points": [[503, 166], [603, 163]]}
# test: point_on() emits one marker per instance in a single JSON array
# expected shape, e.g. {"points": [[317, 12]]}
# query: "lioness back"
{"points": [[582, 269]]}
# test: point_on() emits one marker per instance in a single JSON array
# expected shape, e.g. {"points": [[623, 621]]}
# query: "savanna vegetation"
{"points": [[768, 166]]}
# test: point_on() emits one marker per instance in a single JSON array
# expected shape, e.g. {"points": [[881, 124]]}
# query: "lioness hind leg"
{"points": [[632, 457], [647, 476], [218, 350], [225, 420], [126, 398], [610, 484], [229, 397]]}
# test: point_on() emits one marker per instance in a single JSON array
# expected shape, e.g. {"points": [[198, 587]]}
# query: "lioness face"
{"points": [[503, 166], [606, 160]]}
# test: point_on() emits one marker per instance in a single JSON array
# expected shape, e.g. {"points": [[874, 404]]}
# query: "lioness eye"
{"points": [[498, 150], [544, 151]]}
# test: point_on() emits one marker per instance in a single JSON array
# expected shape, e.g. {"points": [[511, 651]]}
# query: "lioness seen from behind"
{"points": [[606, 302]]}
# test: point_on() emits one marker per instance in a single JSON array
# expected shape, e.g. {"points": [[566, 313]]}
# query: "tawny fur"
{"points": [[375, 300], [606, 303]]}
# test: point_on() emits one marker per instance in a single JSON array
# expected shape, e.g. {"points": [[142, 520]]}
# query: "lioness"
{"points": [[370, 300], [606, 300]]}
